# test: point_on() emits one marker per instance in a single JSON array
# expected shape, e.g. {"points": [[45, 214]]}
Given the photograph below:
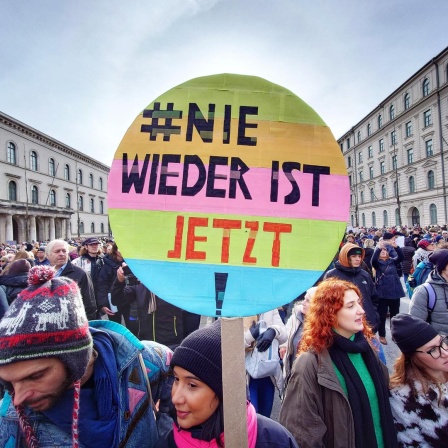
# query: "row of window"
{"points": [[12, 189], [431, 183], [406, 106], [432, 217], [11, 157], [429, 151], [92, 228]]}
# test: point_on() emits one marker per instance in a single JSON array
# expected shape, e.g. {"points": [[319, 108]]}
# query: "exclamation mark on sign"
{"points": [[220, 289]]}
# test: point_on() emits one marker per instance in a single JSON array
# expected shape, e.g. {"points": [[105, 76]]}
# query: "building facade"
{"points": [[397, 155], [48, 189]]}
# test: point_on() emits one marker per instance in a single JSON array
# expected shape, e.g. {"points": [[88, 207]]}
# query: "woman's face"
{"points": [[306, 304], [194, 401], [349, 317], [384, 254], [434, 366]]}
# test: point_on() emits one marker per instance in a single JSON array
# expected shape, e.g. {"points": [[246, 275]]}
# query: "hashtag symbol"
{"points": [[167, 128]]}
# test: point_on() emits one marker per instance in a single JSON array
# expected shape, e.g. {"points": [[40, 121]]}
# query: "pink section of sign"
{"points": [[310, 196]]}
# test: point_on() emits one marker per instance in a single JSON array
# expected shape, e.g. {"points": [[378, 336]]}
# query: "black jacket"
{"points": [[388, 283], [269, 434], [14, 285], [408, 252], [82, 278], [106, 278]]}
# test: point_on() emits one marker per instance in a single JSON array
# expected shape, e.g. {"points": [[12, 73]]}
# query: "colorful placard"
{"points": [[228, 196]]}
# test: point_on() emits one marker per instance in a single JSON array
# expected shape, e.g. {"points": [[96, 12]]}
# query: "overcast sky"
{"points": [[81, 70]]}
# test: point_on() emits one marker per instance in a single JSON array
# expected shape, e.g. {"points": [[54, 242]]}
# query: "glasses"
{"points": [[436, 352]]}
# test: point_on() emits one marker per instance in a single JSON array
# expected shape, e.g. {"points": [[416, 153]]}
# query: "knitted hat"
{"points": [[424, 244], [200, 354], [439, 258], [354, 251], [410, 332], [47, 319], [388, 236], [17, 267]]}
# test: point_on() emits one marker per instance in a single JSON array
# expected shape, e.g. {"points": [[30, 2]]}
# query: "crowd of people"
{"points": [[89, 357]]}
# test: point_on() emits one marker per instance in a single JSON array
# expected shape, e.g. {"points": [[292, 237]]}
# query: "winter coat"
{"points": [[14, 285], [419, 302], [362, 280], [408, 252], [106, 278], [420, 255], [419, 419], [316, 409], [93, 266], [269, 434], [136, 362], [85, 285], [388, 283]]}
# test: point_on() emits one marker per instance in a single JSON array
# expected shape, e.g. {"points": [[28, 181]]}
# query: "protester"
{"points": [[424, 249], [41, 257], [197, 396], [386, 259], [57, 253], [437, 284], [294, 329], [337, 395], [408, 252], [71, 385], [419, 383], [262, 390]]}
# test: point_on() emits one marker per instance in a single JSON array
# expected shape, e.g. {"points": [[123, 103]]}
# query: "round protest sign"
{"points": [[228, 196]]}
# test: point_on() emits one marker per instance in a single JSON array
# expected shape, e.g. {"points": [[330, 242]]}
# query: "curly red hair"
{"points": [[322, 315]]}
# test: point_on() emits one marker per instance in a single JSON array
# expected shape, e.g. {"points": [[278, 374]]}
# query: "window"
{"points": [[393, 138], [362, 197], [369, 130], [68, 200], [359, 136], [360, 156], [350, 180], [394, 162], [410, 153], [428, 146], [51, 167], [81, 228], [349, 161], [431, 180], [80, 177], [12, 191], [407, 101], [373, 219], [411, 185], [66, 172], [382, 170], [347, 142], [433, 214], [370, 172], [408, 129], [370, 151], [397, 218], [33, 161], [353, 221], [361, 176], [100, 181], [381, 145], [52, 198], [92, 227], [385, 220], [11, 153], [392, 112], [380, 121], [372, 195], [363, 220], [427, 118], [396, 188], [102, 227], [383, 192], [351, 200], [101, 207], [81, 203], [425, 87], [91, 180], [92, 206], [34, 195]]}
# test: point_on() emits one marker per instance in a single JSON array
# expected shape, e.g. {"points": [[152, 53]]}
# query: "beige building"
{"points": [[396, 156], [48, 190]]}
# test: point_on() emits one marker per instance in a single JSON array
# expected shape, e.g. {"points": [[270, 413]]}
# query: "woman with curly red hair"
{"points": [[337, 395]]}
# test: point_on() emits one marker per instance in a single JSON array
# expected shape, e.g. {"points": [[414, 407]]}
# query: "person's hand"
{"points": [[107, 311], [265, 340], [282, 352], [255, 329], [120, 275]]}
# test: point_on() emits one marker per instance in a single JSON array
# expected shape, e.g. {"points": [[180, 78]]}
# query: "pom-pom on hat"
{"points": [[410, 332], [200, 354], [47, 319]]}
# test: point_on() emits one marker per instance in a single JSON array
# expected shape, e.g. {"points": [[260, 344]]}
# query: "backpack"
{"points": [[431, 302], [419, 276]]}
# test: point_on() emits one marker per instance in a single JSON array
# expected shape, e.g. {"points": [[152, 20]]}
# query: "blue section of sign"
{"points": [[263, 289]]}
